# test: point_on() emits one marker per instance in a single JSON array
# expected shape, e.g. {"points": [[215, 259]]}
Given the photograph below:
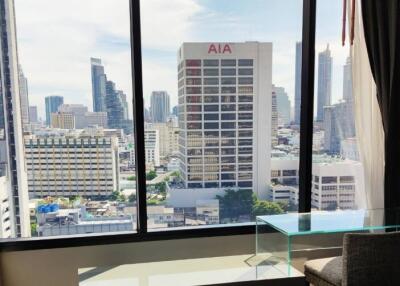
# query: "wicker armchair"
{"points": [[368, 260]]}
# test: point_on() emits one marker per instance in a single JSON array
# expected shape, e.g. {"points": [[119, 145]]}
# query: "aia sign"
{"points": [[219, 49]]}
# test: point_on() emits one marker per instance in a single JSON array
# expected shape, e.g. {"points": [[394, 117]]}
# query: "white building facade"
{"points": [[71, 166], [225, 105]]}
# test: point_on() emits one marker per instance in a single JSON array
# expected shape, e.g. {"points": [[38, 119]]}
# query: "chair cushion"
{"points": [[327, 271]]}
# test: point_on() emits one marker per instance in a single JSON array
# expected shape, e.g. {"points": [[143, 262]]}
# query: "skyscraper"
{"points": [[225, 105], [159, 106], [274, 119], [324, 82], [33, 114], [14, 197], [297, 87], [283, 105], [99, 80], [347, 81], [53, 102], [116, 107], [23, 90]]}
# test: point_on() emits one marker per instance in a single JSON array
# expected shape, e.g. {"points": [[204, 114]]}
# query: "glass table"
{"points": [[278, 247]]}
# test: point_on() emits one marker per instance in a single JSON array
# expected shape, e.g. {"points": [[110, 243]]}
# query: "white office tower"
{"points": [[225, 110], [11, 121]]}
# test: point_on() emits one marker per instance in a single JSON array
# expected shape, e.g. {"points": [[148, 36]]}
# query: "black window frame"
{"points": [[142, 232]]}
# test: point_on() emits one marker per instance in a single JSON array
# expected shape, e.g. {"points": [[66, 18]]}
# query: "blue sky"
{"points": [[57, 38]]}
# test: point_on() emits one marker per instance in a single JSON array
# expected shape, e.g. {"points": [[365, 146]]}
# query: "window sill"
{"points": [[126, 237]]}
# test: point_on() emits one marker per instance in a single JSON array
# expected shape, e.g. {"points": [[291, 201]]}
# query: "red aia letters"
{"points": [[219, 49]]}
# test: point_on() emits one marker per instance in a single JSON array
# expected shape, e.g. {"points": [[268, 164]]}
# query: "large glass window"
{"points": [[336, 168], [75, 89]]}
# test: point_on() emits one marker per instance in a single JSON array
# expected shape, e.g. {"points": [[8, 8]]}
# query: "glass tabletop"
{"points": [[332, 221]]}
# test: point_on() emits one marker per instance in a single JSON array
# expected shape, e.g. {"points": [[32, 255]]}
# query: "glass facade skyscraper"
{"points": [[53, 102], [159, 106], [324, 82], [99, 80]]}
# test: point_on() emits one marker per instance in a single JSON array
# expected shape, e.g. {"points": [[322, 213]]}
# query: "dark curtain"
{"points": [[381, 19]]}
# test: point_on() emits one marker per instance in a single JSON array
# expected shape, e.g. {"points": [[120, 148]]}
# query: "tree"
{"points": [[161, 187], [151, 175], [153, 202], [132, 198], [33, 229], [114, 195], [131, 178], [117, 196], [266, 208], [235, 204]]}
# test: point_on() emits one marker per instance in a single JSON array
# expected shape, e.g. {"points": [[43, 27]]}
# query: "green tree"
{"points": [[266, 208], [161, 187], [151, 175], [131, 178], [34, 229], [234, 204], [153, 202], [132, 198], [114, 196]]}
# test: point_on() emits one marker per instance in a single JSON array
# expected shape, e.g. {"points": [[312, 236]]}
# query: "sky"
{"points": [[56, 39]]}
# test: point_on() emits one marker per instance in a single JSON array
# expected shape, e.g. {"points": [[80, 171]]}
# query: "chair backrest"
{"points": [[371, 259]]}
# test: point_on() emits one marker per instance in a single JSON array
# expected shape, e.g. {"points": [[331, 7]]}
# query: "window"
{"points": [[335, 145], [189, 136]]}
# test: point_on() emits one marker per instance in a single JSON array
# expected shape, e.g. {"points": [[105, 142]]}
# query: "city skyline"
{"points": [[69, 75]]}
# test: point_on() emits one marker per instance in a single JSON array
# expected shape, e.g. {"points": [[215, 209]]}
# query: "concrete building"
{"points": [[63, 120], [12, 159], [152, 147], [282, 104], [168, 138], [159, 106], [349, 149], [225, 126], [23, 90], [71, 164], [82, 117], [96, 119], [297, 85], [324, 82], [33, 114], [98, 85], [337, 183], [338, 125], [52, 104], [274, 119], [76, 221]]}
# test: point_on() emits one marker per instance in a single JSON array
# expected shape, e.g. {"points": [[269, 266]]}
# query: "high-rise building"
{"points": [[168, 136], [23, 90], [82, 118], [324, 82], [297, 84], [283, 105], [225, 128], [33, 114], [96, 119], [88, 166], [53, 102], [78, 111], [175, 110], [63, 120], [339, 121], [99, 80], [159, 106], [14, 178], [347, 81], [274, 119], [116, 106]]}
